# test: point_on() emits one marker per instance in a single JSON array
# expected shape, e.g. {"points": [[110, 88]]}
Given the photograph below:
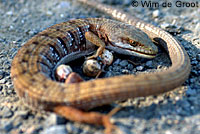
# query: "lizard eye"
{"points": [[133, 43]]}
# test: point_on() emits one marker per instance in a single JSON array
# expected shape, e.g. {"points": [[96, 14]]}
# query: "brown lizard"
{"points": [[31, 70]]}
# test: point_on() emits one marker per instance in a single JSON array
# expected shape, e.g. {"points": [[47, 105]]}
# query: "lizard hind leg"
{"points": [[95, 118]]}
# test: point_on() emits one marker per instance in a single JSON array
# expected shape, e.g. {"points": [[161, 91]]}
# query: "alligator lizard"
{"points": [[31, 70]]}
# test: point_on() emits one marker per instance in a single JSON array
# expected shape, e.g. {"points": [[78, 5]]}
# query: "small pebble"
{"points": [[117, 62], [168, 132], [3, 81], [9, 13], [156, 13], [64, 4], [164, 25], [49, 13], [114, 2], [139, 68], [109, 74], [22, 21], [116, 68], [23, 115], [194, 62], [123, 63], [11, 27], [125, 71], [6, 65], [198, 67], [6, 112], [110, 68], [192, 80], [130, 66], [54, 119], [1, 74], [61, 15], [58, 129], [198, 57], [7, 126], [72, 128], [194, 72], [191, 92], [32, 32], [186, 106], [149, 64], [193, 100]]}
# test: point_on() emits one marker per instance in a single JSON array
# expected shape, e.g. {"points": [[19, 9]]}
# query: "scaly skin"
{"points": [[32, 67]]}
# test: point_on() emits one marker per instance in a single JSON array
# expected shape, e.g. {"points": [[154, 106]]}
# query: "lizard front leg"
{"points": [[93, 38]]}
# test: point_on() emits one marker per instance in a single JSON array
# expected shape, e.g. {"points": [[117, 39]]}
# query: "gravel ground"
{"points": [[174, 112]]}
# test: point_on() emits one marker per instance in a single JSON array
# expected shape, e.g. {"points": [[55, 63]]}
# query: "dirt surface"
{"points": [[174, 112]]}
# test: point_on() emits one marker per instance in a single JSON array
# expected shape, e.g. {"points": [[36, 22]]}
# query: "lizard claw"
{"points": [[113, 130]]}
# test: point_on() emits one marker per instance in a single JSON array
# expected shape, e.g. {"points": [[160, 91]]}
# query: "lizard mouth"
{"points": [[132, 50]]}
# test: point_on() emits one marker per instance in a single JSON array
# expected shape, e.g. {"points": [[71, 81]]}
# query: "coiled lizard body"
{"points": [[32, 67]]}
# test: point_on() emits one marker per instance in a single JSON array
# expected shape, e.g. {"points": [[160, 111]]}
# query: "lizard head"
{"points": [[129, 40]]}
